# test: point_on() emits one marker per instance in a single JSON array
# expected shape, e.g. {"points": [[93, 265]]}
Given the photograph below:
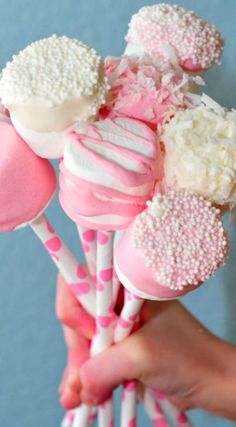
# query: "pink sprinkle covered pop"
{"points": [[27, 183], [108, 173], [147, 89], [170, 31], [172, 247]]}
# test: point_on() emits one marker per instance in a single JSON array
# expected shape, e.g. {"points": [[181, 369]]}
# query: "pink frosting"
{"points": [[106, 189], [144, 89], [27, 183], [175, 245]]}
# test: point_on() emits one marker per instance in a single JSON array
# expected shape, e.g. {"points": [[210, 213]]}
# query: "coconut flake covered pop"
{"points": [[176, 244], [108, 173], [27, 185], [170, 31], [200, 152], [53, 85], [147, 89]]}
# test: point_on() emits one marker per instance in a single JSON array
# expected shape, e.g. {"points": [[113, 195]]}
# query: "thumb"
{"points": [[104, 372]]}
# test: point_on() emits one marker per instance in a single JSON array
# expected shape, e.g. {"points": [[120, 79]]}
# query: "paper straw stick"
{"points": [[128, 316], [105, 316], [88, 240], [154, 410], [115, 286], [68, 419], [74, 273], [123, 328], [104, 322], [128, 411], [178, 417]]}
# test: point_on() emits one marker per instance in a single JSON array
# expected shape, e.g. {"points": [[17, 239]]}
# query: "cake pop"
{"points": [[176, 244], [50, 87], [109, 172], [200, 152], [170, 31], [147, 89], [27, 185]]}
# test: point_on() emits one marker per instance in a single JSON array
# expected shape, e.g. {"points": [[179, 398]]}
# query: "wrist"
{"points": [[218, 394]]}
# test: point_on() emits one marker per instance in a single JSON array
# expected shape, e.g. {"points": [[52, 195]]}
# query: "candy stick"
{"points": [[129, 395], [104, 319], [154, 410], [123, 328], [178, 417], [89, 245], [74, 274], [68, 419]]}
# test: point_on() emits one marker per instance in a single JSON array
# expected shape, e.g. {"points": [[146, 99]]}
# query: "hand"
{"points": [[172, 353], [78, 328]]}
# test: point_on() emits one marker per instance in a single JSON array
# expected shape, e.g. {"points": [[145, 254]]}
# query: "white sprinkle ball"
{"points": [[52, 71], [179, 252]]}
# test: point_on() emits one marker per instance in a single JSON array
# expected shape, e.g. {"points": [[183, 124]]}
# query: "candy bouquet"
{"points": [[147, 168]]}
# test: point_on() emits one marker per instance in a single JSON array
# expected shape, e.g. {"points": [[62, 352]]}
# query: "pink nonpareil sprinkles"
{"points": [[181, 238], [193, 38]]}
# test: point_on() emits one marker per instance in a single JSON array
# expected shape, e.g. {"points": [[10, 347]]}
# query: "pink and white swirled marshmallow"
{"points": [[109, 172], [172, 247], [147, 89], [170, 31], [27, 182]]}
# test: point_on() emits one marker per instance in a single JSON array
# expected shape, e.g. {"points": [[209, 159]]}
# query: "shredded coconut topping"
{"points": [[181, 239], [200, 146], [148, 89], [156, 27], [54, 70]]}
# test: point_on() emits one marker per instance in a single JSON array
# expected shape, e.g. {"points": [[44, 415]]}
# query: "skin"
{"points": [[172, 353]]}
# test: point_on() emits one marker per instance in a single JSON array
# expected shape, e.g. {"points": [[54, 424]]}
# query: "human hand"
{"points": [[172, 353], [78, 328]]}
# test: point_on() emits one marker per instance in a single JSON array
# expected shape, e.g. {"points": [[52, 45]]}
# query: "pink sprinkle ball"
{"points": [[197, 43], [176, 244]]}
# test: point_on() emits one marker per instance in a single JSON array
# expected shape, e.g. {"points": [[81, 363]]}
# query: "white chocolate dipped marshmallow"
{"points": [[50, 87]]}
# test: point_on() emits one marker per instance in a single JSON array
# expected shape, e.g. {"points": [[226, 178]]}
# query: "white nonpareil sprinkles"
{"points": [[54, 70], [181, 239]]}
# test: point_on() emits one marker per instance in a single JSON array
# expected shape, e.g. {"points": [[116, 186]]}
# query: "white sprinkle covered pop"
{"points": [[181, 238], [52, 86], [200, 152], [159, 28], [53, 70]]}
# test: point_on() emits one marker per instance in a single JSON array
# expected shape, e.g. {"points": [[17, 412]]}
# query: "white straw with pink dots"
{"points": [[74, 273]]}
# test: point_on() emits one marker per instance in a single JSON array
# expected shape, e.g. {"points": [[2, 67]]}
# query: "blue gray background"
{"points": [[32, 353]]}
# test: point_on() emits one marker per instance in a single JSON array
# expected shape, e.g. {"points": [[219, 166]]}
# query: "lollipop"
{"points": [[147, 89], [171, 248], [50, 87], [109, 172], [107, 175], [27, 185], [200, 152], [170, 31], [176, 244]]}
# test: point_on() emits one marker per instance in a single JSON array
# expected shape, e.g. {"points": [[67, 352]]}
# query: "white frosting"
{"points": [[52, 70], [200, 145], [45, 144]]}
